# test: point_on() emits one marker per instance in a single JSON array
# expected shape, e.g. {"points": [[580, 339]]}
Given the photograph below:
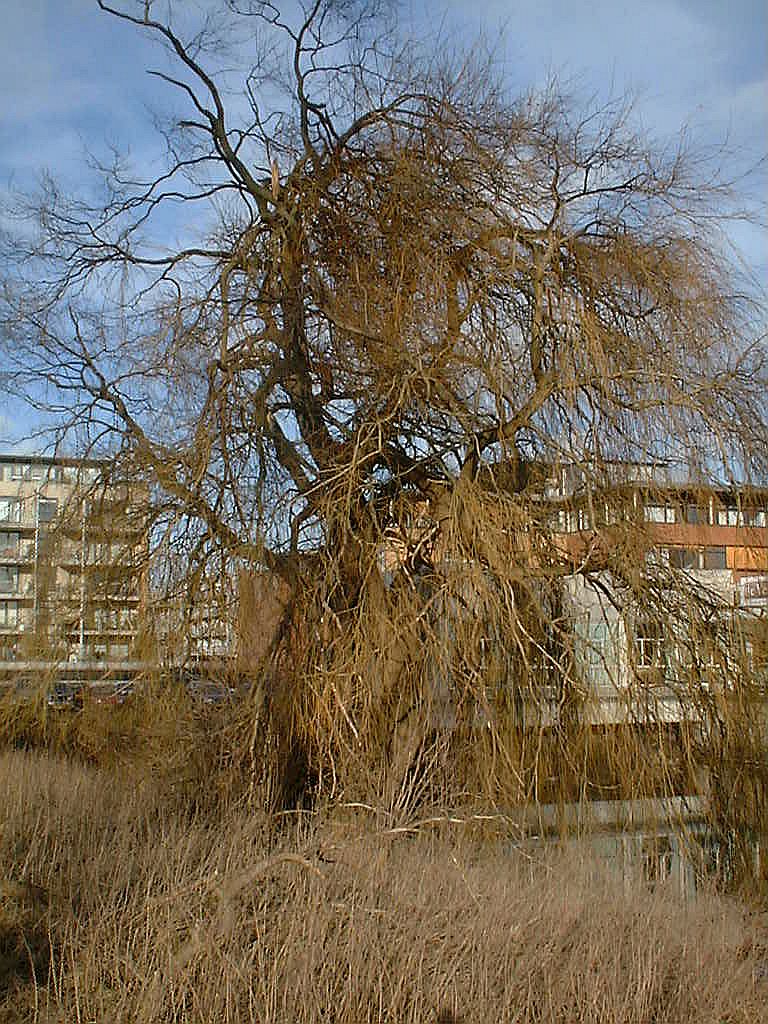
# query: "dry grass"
{"points": [[117, 905], [159, 733]]}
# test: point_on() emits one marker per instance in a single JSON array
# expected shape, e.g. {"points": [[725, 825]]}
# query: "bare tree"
{"points": [[403, 298]]}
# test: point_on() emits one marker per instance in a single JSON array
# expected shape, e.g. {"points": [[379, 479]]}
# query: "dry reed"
{"points": [[118, 905]]}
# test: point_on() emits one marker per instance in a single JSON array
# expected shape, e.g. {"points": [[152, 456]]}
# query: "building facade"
{"points": [[73, 560], [703, 550], [661, 582]]}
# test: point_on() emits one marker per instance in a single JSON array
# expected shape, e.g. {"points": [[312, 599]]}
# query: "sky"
{"points": [[74, 78]]}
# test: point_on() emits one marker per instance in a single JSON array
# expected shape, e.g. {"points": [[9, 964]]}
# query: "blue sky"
{"points": [[72, 77]]}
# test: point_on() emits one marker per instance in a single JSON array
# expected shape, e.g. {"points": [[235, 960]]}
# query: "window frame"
{"points": [[695, 514], [43, 501], [10, 545], [660, 514], [7, 620], [649, 645], [708, 555], [10, 504], [11, 572]]}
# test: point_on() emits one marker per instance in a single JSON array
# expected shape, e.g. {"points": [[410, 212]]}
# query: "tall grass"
{"points": [[117, 904], [191, 753]]}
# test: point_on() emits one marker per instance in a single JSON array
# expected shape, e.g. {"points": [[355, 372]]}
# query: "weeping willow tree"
{"points": [[404, 302]]}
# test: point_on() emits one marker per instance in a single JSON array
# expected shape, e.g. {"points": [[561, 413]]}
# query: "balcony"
{"points": [[24, 590]]}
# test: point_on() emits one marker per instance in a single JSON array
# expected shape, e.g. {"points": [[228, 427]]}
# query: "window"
{"points": [[732, 515], [657, 859], [684, 558], [566, 521], [127, 619], [755, 517], [729, 515], [602, 656], [710, 656], [9, 613], [756, 650], [657, 557], [659, 514], [10, 510], [696, 515], [109, 620], [27, 471], [649, 645], [9, 544], [9, 579], [714, 558], [98, 553], [698, 558], [611, 514], [46, 509]]}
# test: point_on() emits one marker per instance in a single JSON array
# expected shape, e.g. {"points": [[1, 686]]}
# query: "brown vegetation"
{"points": [[408, 296], [407, 289], [114, 905]]}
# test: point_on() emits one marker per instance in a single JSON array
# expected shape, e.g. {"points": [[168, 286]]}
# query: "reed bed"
{"points": [[117, 904]]}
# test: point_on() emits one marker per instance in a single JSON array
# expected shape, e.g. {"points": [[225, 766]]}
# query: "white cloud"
{"points": [[747, 105], [70, 74], [683, 57]]}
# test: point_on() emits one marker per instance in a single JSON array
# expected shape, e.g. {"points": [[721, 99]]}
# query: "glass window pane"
{"points": [[655, 513], [9, 612], [10, 510], [46, 509], [649, 644], [683, 558], [696, 515], [9, 579], [714, 558], [9, 544]]}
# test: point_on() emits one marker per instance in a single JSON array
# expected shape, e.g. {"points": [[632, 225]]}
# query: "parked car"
{"points": [[114, 694], [65, 696], [207, 691]]}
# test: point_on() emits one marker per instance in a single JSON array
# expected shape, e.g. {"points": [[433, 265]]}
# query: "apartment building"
{"points": [[688, 539], [72, 561], [686, 524], [662, 626], [703, 542]]}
